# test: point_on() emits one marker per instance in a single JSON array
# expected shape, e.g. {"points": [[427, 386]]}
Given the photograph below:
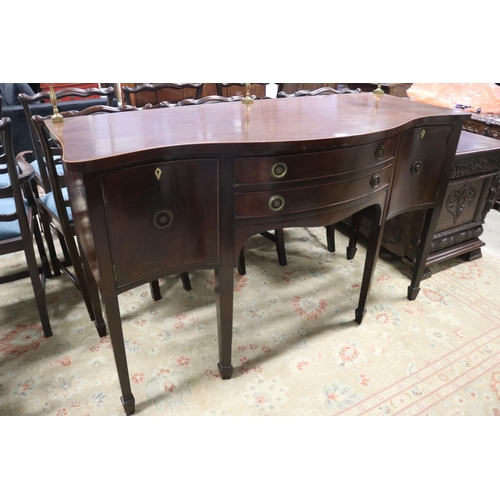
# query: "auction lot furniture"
{"points": [[192, 183]]}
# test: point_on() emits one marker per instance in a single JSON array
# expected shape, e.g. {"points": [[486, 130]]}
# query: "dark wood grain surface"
{"points": [[267, 125]]}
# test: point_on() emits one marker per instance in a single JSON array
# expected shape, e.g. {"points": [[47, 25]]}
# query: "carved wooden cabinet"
{"points": [[487, 124], [473, 189]]}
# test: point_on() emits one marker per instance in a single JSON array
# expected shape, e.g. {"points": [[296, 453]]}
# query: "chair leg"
{"points": [[154, 287], [47, 272], [242, 268], [38, 286], [56, 268], [279, 234], [95, 299], [330, 237], [353, 239], [65, 251], [81, 278], [186, 282], [278, 238]]}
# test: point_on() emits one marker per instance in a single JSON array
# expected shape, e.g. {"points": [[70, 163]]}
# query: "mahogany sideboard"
{"points": [[163, 191]]}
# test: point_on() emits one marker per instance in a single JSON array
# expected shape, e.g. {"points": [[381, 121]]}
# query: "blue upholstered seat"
{"points": [[50, 202], [9, 229], [59, 167], [4, 180]]}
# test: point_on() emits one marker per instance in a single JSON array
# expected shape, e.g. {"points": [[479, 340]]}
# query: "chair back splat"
{"points": [[75, 95], [153, 93], [239, 89]]}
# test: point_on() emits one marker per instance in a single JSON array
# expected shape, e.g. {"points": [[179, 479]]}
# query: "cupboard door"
{"points": [[418, 170], [161, 218]]}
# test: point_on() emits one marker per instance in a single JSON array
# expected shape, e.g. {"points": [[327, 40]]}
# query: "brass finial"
{"points": [[378, 91], [56, 117], [248, 98]]}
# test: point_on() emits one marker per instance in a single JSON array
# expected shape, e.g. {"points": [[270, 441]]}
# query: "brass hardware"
{"points": [[416, 168], [279, 170], [56, 117], [375, 181], [158, 173], [248, 98], [276, 202], [378, 91], [380, 152], [422, 134], [162, 218]]}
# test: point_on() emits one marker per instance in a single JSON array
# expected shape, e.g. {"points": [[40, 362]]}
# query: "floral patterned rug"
{"points": [[296, 350]]}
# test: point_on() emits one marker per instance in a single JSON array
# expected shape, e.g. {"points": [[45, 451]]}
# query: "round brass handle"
{"points": [[375, 181], [416, 168], [162, 218], [279, 170], [380, 152], [276, 202]]}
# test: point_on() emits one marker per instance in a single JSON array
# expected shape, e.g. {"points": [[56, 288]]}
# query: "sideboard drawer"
{"points": [[289, 201], [161, 217], [258, 170]]}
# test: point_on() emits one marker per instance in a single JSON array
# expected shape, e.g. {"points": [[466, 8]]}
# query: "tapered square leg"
{"points": [[412, 292], [128, 406], [359, 315], [225, 372]]}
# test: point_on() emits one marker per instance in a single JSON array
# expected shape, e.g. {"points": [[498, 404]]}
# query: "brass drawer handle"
{"points": [[279, 170], [162, 218], [375, 181], [416, 168], [276, 203], [380, 152]]}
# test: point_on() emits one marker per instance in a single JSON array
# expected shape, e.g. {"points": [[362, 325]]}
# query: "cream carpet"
{"points": [[296, 351]]}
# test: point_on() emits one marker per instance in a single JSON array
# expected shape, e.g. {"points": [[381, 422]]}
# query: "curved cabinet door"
{"points": [[419, 166], [161, 218]]}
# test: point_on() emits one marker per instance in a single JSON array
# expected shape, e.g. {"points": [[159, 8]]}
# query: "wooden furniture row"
{"points": [[165, 191]]}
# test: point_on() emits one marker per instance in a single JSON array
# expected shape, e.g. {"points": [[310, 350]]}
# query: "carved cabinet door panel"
{"points": [[418, 169], [162, 218], [461, 202]]}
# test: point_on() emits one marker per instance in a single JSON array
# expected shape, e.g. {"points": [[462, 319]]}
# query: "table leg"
{"points": [[426, 237], [372, 251], [224, 296], [115, 332]]}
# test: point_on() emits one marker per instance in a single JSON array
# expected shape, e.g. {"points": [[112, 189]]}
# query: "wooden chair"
{"points": [[320, 91], [154, 93], [209, 99], [190, 102], [57, 202], [19, 225], [238, 89], [69, 93], [5, 189]]}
